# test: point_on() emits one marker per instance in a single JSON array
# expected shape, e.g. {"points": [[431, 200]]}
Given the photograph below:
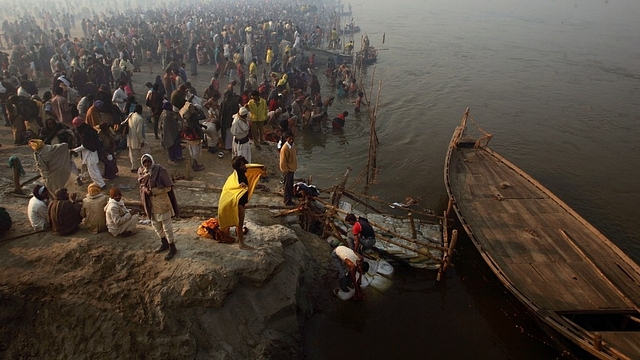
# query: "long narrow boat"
{"points": [[571, 277]]}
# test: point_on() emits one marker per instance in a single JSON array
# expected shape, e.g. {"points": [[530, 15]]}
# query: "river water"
{"points": [[557, 84]]}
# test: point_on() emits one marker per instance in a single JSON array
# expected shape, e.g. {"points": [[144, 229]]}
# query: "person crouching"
{"points": [[120, 221]]}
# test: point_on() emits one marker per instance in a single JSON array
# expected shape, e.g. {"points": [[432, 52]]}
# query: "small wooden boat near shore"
{"points": [[571, 277]]}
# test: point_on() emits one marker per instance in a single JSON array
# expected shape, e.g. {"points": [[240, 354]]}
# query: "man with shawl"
{"points": [[94, 115], [64, 213], [37, 210], [228, 108], [107, 155], [171, 128], [93, 210], [120, 221], [159, 202], [236, 192], [53, 162]]}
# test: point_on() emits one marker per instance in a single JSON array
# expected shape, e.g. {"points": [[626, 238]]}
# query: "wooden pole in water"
{"points": [[337, 192], [413, 225], [446, 259]]}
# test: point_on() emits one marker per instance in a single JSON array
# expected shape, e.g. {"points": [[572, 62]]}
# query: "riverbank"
{"points": [[98, 297]]}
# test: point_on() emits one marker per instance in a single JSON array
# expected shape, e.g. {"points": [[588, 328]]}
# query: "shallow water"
{"points": [[555, 82]]}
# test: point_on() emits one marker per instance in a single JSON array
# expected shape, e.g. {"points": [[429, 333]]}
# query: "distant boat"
{"points": [[367, 57], [349, 29], [569, 275]]}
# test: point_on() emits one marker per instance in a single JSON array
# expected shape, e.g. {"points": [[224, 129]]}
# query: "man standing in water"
{"points": [[159, 202]]}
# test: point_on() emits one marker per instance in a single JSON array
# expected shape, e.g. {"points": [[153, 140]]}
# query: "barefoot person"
{"points": [[236, 192]]}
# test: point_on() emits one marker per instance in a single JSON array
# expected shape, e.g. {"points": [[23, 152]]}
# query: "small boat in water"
{"points": [[350, 29], [570, 276]]}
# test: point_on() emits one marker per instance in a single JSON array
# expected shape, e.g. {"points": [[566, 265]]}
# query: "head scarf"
{"points": [[93, 189], [36, 144], [147, 156], [39, 191], [77, 121], [114, 192], [64, 80]]}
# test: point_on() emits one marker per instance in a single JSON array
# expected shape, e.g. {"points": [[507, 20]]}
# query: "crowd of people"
{"points": [[264, 91]]}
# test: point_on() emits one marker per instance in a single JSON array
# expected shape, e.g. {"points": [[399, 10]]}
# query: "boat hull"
{"points": [[559, 266]]}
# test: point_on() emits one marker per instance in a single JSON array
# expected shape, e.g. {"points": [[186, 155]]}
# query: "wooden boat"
{"points": [[367, 57], [350, 29], [566, 272]]}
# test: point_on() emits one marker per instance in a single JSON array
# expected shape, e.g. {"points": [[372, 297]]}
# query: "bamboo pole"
{"points": [[431, 215], [446, 260], [413, 226], [30, 180], [361, 202], [421, 251], [337, 193]]}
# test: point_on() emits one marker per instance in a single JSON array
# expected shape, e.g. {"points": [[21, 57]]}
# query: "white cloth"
{"points": [[119, 98], [344, 252], [135, 137], [119, 218], [38, 214], [242, 150], [240, 130], [213, 135], [90, 158], [163, 226]]}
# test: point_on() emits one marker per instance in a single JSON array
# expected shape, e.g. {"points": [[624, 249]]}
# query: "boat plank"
{"points": [[501, 177], [569, 298], [600, 291], [543, 247], [501, 234], [534, 278], [626, 280], [485, 236], [625, 342]]}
